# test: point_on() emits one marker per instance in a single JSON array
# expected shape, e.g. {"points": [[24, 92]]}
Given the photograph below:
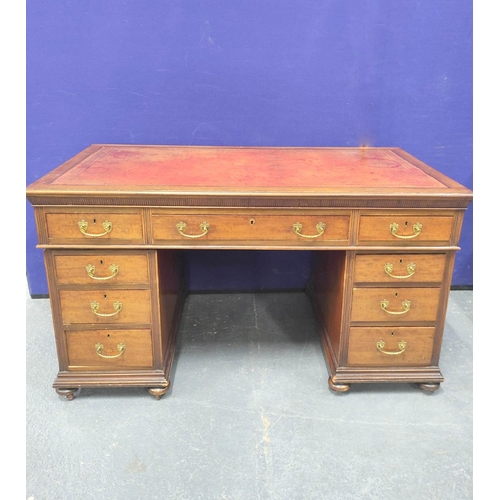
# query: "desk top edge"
{"points": [[251, 172]]}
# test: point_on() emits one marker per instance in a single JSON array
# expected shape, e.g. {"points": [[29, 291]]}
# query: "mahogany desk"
{"points": [[114, 220]]}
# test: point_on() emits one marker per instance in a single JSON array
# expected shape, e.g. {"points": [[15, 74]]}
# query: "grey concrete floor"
{"points": [[250, 416]]}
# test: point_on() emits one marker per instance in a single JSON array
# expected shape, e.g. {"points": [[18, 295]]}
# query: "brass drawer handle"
{"points": [[384, 304], [83, 225], [411, 268], [94, 306], [203, 226], [320, 227], [401, 345], [99, 348], [417, 228], [91, 271]]}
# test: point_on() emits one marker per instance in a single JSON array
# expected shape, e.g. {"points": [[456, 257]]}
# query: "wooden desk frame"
{"points": [[383, 256]]}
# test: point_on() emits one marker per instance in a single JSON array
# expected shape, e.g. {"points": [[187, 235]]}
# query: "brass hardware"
{"points": [[417, 228], [83, 225], [411, 268], [94, 306], [203, 226], [401, 345], [320, 227], [99, 348], [91, 271], [384, 304]]}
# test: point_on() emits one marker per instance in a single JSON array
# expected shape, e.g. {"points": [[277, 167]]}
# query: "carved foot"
{"points": [[69, 393], [158, 392], [430, 387], [338, 387]]}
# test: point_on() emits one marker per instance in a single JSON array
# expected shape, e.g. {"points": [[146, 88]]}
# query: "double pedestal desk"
{"points": [[114, 220]]}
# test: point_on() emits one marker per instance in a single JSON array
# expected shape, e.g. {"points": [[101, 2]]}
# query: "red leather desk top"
{"points": [[327, 173]]}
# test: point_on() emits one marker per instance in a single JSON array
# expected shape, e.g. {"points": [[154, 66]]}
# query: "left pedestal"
{"points": [[115, 315]]}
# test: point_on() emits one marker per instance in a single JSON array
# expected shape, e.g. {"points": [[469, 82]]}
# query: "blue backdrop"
{"points": [[272, 73]]}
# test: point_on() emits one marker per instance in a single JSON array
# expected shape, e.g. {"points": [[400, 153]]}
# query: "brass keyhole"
{"points": [[396, 294], [252, 222]]}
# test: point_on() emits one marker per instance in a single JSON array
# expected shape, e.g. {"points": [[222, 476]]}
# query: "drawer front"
{"points": [[105, 306], [395, 305], [101, 269], [94, 228], [384, 346], [399, 268], [405, 229], [109, 349], [290, 229]]}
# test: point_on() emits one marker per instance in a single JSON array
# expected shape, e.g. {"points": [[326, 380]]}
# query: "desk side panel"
{"points": [[171, 295], [328, 292]]}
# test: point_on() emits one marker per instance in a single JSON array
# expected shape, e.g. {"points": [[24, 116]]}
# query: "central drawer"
{"points": [[295, 229], [395, 304], [105, 306]]}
